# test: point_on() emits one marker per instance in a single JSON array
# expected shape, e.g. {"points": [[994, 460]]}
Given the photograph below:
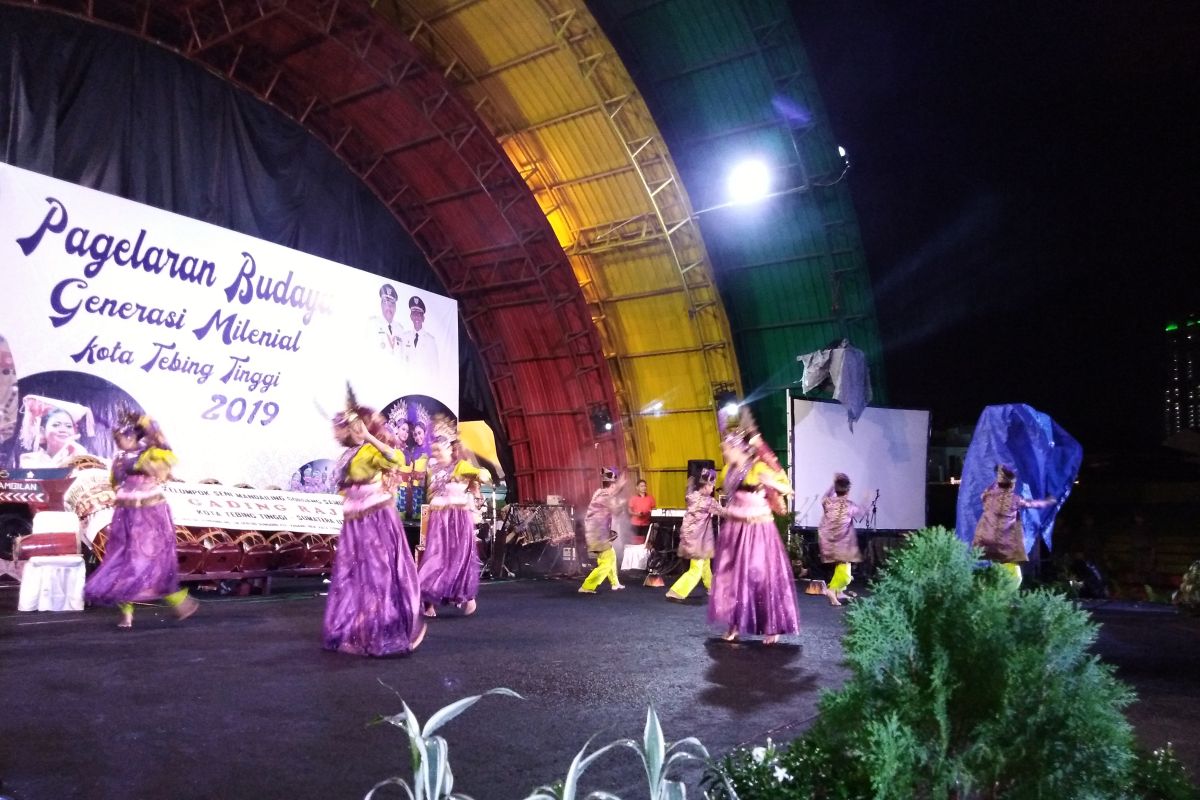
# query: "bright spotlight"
{"points": [[841, 151], [654, 408], [730, 409], [608, 426], [749, 181]]}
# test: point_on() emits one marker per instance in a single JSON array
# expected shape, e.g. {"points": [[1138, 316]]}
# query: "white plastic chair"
{"points": [[52, 582], [55, 522]]}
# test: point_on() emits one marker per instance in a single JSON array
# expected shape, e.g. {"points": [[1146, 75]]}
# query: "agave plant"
{"points": [[657, 757], [432, 778]]}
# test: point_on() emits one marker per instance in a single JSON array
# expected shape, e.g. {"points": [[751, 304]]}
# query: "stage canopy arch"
{"points": [[540, 186]]}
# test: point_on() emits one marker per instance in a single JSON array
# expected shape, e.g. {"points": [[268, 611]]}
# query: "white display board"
{"points": [[239, 347], [885, 457]]}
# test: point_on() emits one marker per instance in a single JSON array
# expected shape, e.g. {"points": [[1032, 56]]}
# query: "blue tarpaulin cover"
{"points": [[1046, 458]]}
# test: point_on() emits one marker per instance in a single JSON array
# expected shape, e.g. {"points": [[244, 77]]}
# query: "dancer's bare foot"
{"points": [[843, 597], [420, 637], [731, 636], [618, 587], [586, 591], [126, 621], [673, 596], [188, 607], [429, 611], [833, 598], [468, 608], [772, 639]]}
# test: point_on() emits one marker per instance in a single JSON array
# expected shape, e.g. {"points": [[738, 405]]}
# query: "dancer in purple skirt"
{"points": [[140, 562], [374, 604], [450, 566], [753, 591]]}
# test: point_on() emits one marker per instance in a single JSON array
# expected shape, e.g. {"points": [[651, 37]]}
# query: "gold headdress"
{"points": [[445, 430], [142, 426], [739, 430], [130, 421], [398, 416], [351, 404], [422, 417]]}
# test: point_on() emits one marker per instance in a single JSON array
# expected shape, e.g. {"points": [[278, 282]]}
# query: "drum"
{"points": [[561, 526]]}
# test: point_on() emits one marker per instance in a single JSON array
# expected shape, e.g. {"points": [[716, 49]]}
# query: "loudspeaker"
{"points": [[697, 464]]}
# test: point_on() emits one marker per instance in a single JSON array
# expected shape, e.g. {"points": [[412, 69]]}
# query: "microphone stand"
{"points": [[874, 510]]}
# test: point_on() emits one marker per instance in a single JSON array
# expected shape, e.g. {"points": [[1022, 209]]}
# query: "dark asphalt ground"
{"points": [[241, 702]]}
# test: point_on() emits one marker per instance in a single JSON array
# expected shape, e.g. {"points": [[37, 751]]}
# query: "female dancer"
{"points": [[450, 566], [696, 538], [140, 562], [753, 591], [838, 537], [598, 529], [1000, 532], [374, 596]]}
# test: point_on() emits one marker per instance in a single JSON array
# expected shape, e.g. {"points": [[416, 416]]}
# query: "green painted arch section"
{"points": [[726, 80]]}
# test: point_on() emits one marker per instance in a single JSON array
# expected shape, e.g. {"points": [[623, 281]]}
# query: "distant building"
{"points": [[947, 451], [1181, 397]]}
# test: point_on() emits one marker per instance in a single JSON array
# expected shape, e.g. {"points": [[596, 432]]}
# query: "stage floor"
{"points": [[241, 702]]}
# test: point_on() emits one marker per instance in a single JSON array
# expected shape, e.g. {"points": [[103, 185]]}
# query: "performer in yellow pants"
{"points": [[841, 578], [597, 527], [606, 567], [838, 537], [700, 571], [1000, 533], [696, 539], [1014, 573], [175, 600]]}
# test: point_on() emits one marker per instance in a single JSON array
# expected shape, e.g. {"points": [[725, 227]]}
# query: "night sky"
{"points": [[1025, 176]]}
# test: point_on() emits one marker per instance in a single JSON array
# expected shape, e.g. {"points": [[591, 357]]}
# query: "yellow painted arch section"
{"points": [[554, 92]]}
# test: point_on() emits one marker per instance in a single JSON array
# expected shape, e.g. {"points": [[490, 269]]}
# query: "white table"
{"points": [[52, 583], [635, 557]]}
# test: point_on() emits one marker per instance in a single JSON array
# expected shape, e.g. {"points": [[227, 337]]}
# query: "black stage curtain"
{"points": [[108, 111]]}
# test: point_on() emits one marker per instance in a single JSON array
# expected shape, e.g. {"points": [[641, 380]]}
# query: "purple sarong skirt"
{"points": [[140, 562], [374, 597], [450, 565], [753, 589]]}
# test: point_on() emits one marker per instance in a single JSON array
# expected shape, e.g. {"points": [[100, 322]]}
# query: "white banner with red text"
{"points": [[202, 505]]}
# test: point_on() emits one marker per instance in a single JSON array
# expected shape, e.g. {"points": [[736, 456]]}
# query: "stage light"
{"points": [[749, 181], [725, 401], [841, 151], [601, 419]]}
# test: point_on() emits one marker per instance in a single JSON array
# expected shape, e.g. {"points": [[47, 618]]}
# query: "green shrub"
{"points": [[961, 687], [804, 770], [1160, 776]]}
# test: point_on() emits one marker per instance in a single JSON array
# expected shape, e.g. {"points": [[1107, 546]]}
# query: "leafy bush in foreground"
{"points": [[961, 687]]}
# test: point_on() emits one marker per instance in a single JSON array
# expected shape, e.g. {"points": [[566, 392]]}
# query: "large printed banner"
{"points": [[209, 506], [240, 348]]}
